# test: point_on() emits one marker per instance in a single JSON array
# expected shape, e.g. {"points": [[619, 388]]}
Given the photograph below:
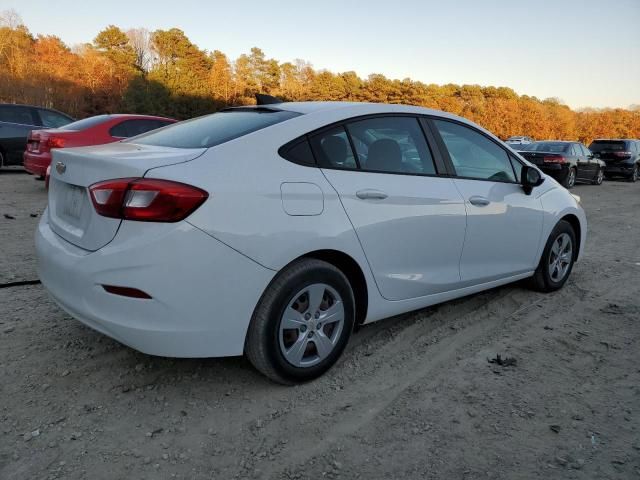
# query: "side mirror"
{"points": [[531, 178]]}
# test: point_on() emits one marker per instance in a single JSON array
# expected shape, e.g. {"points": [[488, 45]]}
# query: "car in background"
{"points": [[519, 140], [16, 121], [96, 130], [621, 157], [567, 162], [274, 230]]}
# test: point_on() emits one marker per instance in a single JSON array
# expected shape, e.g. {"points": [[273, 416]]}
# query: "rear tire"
{"points": [[557, 259], [302, 323], [570, 179]]}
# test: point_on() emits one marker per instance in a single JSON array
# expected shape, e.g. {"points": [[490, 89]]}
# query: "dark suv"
{"points": [[16, 121], [621, 157]]}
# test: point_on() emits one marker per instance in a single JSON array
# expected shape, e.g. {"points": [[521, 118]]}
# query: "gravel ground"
{"points": [[413, 397]]}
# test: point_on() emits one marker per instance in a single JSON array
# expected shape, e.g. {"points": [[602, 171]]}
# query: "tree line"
{"points": [[164, 73]]}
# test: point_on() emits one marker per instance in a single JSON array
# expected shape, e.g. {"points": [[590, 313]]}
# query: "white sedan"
{"points": [[273, 230]]}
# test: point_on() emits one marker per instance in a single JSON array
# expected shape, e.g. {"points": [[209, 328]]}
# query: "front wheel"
{"points": [[599, 177], [570, 179], [557, 259], [635, 174], [302, 323]]}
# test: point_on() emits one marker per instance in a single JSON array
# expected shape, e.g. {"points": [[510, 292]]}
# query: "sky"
{"points": [[586, 53]]}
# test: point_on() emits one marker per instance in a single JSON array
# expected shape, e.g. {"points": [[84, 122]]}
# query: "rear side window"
{"points": [[473, 155], [86, 123], [391, 145], [131, 128], [300, 153], [16, 114], [212, 130], [53, 119], [608, 145], [332, 149]]}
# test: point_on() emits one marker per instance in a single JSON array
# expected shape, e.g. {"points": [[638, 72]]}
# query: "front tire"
{"points": [[557, 259], [599, 177], [634, 175], [302, 323], [570, 179]]}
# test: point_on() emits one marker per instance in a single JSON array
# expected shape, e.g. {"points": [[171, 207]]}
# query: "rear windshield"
{"points": [[611, 145], [85, 123], [212, 130], [551, 147]]}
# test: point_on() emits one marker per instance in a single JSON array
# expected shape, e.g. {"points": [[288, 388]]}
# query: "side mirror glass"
{"points": [[531, 178]]}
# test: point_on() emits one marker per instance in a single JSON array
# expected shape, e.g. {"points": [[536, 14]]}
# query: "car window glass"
{"points": [[576, 151], [473, 155], [517, 167], [585, 150], [332, 149], [299, 153], [53, 119], [131, 128], [391, 144], [16, 114], [214, 129]]}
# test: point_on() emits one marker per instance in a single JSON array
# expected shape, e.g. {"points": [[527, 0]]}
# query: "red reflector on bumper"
{"points": [[126, 291]]}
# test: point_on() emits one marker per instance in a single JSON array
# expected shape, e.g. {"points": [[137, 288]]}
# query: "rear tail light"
{"points": [[554, 159], [146, 199], [55, 142], [622, 154]]}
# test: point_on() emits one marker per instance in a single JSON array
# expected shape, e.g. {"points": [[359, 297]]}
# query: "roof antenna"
{"points": [[262, 99]]}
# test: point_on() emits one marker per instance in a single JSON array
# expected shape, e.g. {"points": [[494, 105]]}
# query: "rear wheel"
{"points": [[599, 177], [302, 323], [557, 259], [570, 179]]}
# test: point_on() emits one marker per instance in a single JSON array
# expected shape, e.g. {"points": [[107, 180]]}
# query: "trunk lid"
{"points": [[73, 170]]}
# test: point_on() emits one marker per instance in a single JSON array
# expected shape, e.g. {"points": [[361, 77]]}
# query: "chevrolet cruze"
{"points": [[272, 231]]}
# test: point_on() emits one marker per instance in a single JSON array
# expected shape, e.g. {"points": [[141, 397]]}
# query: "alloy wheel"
{"points": [[311, 325], [560, 257], [600, 177], [571, 181]]}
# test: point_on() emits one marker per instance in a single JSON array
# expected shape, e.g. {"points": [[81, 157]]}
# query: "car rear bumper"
{"points": [[619, 168], [203, 292], [556, 170], [35, 163]]}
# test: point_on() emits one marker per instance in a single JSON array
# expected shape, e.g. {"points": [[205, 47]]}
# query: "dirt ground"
{"points": [[413, 397]]}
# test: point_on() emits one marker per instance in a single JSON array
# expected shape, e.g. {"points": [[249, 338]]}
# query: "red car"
{"points": [[89, 131]]}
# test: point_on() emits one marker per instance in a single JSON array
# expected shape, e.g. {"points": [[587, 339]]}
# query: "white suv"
{"points": [[272, 231]]}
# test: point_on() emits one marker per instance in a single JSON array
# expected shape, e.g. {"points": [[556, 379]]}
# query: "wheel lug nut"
{"points": [[307, 316], [303, 328], [317, 315]]}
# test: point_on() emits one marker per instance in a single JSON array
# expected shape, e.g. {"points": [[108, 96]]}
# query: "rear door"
{"points": [[504, 225], [16, 121], [410, 221]]}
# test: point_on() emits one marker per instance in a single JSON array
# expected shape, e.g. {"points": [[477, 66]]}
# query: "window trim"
{"points": [[447, 157]]}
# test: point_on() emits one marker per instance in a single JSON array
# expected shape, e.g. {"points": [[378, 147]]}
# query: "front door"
{"points": [[504, 225]]}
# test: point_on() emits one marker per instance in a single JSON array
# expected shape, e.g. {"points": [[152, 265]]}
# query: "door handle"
{"points": [[479, 201], [371, 194]]}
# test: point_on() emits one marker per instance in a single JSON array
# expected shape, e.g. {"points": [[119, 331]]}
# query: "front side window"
{"points": [[332, 149], [473, 155], [53, 119], [215, 129], [391, 145]]}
